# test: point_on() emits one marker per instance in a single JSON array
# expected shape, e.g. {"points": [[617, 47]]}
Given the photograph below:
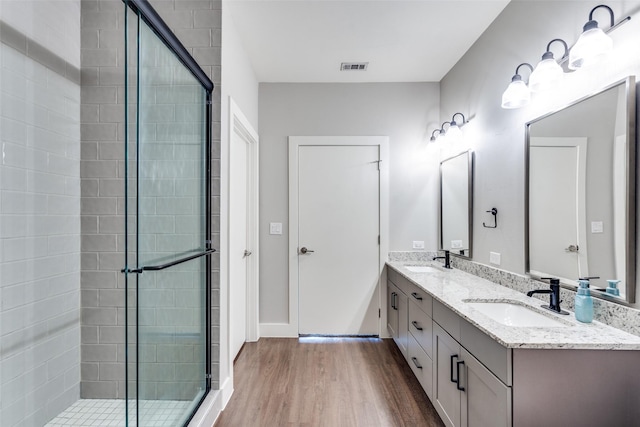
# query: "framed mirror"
{"points": [[581, 192], [456, 204]]}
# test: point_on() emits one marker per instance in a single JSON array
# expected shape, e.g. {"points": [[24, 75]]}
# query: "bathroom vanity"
{"points": [[489, 356]]}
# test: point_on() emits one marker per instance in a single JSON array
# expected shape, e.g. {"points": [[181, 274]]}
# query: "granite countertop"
{"points": [[453, 287]]}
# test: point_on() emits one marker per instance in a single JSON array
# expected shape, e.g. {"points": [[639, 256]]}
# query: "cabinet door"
{"points": [[486, 401], [446, 396], [403, 322], [392, 310]]}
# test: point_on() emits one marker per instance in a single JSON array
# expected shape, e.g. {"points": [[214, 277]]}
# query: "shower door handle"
{"points": [[167, 265]]}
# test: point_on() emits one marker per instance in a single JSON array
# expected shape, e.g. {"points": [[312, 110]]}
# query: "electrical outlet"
{"points": [[275, 228], [456, 244], [494, 258], [418, 244]]}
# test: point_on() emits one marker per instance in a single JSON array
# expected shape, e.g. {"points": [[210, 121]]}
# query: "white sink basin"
{"points": [[511, 314], [421, 269]]}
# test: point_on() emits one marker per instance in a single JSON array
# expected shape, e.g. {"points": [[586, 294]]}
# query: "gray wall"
{"points": [[197, 24], [475, 85], [403, 111]]}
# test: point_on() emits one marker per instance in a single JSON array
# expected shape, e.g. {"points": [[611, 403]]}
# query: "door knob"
{"points": [[304, 250], [247, 253], [572, 248]]}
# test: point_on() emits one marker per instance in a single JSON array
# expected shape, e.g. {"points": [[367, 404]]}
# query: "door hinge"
{"points": [[208, 376], [379, 313], [378, 239]]}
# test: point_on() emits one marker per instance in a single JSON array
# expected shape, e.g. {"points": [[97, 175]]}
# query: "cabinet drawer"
{"points": [[491, 354], [421, 327], [446, 318], [421, 365], [400, 281], [422, 299]]}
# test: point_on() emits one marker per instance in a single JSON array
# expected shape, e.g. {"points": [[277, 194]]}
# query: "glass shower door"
{"points": [[168, 243]]}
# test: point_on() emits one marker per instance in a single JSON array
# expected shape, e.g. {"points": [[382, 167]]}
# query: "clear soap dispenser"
{"points": [[584, 302]]}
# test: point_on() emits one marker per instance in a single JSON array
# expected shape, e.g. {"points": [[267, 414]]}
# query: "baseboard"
{"points": [[278, 330], [212, 406]]}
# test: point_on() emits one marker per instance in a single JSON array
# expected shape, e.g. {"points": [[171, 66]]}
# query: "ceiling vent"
{"points": [[354, 66]]}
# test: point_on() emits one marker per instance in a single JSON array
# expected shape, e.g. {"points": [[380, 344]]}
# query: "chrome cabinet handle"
{"points": [[415, 325], [393, 300], [415, 362], [416, 296], [304, 250]]}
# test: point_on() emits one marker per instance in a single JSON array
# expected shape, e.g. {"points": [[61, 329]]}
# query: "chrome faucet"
{"points": [[446, 258], [554, 295]]}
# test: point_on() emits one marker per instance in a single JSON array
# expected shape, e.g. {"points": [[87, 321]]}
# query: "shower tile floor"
{"points": [[110, 413]]}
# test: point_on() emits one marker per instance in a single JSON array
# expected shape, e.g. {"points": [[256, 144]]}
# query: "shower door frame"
{"points": [[146, 12]]}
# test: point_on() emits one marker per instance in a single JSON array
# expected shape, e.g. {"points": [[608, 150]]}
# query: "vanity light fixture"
{"points": [[548, 73], [435, 137], [517, 94], [593, 43], [454, 134]]}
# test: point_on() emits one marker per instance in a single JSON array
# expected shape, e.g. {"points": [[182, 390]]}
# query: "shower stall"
{"points": [[168, 222], [116, 330]]}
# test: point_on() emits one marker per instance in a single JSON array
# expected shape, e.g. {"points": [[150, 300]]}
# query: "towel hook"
{"points": [[493, 212]]}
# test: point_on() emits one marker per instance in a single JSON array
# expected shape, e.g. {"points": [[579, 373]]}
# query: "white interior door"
{"points": [[553, 212], [339, 225], [238, 186]]}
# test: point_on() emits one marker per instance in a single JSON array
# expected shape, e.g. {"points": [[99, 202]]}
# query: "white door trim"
{"points": [[291, 329], [240, 125]]}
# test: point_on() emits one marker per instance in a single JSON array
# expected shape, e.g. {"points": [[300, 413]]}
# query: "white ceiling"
{"points": [[306, 40]]}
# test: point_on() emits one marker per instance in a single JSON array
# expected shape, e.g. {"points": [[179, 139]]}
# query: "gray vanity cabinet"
{"points": [[398, 316], [412, 331], [446, 396], [464, 372], [420, 340], [392, 309], [465, 391], [485, 401]]}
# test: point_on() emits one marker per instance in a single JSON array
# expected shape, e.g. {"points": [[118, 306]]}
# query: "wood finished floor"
{"points": [[337, 382]]}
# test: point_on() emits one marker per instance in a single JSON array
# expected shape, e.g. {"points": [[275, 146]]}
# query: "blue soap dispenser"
{"points": [[584, 302], [612, 288]]}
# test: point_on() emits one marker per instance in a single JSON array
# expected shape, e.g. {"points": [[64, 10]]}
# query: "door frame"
{"points": [[240, 125], [295, 142]]}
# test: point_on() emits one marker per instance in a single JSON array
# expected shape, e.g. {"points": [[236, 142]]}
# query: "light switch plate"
{"points": [[494, 258], [275, 228], [418, 244], [597, 227]]}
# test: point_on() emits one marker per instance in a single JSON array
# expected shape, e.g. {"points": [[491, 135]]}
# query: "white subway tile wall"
{"points": [[39, 211]]}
